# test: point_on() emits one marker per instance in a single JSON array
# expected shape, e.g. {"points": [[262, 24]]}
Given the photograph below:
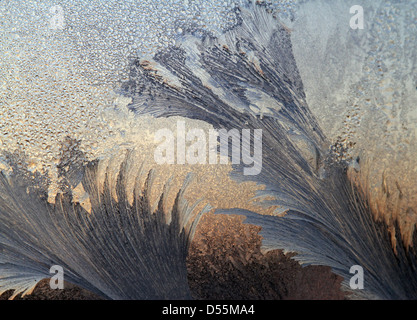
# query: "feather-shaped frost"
{"points": [[118, 250], [247, 78]]}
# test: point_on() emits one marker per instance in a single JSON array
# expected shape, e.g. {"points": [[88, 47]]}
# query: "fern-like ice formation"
{"points": [[119, 250], [248, 78], [243, 76]]}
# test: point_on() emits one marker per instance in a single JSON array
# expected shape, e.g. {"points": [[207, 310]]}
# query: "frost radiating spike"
{"points": [[247, 78], [118, 251]]}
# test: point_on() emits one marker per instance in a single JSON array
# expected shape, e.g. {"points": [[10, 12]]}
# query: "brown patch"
{"points": [[44, 292], [226, 262]]}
